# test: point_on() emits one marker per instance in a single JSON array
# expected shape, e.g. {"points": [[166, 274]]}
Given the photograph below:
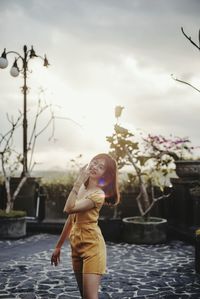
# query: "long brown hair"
{"points": [[110, 179]]}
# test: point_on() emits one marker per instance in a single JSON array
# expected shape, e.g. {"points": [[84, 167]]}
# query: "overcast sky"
{"points": [[102, 54]]}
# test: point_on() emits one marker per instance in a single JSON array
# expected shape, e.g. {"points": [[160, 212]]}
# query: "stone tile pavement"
{"points": [[134, 271]]}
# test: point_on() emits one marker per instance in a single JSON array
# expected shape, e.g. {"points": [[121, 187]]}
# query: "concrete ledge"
{"points": [[12, 228], [53, 226], [45, 226]]}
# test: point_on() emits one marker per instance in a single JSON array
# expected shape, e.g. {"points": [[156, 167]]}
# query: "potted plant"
{"points": [[150, 169], [13, 221]]}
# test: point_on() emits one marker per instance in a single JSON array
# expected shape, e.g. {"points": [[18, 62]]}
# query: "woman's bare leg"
{"points": [[91, 284], [79, 279]]}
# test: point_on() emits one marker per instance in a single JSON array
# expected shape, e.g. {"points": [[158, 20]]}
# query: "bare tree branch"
{"points": [[143, 191], [45, 127], [68, 118], [40, 110], [138, 198], [7, 152], [189, 38], [184, 82], [154, 201], [11, 131], [35, 139], [20, 185]]}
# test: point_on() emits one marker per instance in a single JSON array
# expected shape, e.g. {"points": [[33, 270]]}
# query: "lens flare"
{"points": [[101, 182]]}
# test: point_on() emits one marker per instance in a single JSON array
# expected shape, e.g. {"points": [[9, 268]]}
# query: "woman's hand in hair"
{"points": [[83, 176]]}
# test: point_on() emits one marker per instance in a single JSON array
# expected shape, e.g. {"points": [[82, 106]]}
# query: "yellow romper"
{"points": [[87, 243]]}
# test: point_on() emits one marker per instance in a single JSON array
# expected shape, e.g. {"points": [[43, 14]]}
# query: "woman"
{"points": [[96, 185]]}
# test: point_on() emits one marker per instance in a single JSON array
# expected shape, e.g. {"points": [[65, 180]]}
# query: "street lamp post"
{"points": [[15, 70]]}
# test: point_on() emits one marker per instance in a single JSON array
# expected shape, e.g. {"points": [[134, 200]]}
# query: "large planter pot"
{"points": [[188, 169], [137, 231], [12, 228]]}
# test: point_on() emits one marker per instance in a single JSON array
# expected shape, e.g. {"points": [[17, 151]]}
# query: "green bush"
{"points": [[55, 190], [12, 214]]}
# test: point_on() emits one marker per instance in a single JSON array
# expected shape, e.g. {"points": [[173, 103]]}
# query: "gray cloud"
{"points": [[87, 42]]}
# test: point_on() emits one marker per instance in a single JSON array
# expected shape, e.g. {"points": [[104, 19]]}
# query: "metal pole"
{"points": [[24, 70], [25, 125]]}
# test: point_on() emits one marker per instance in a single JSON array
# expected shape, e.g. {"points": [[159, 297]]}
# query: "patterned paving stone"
{"points": [[142, 272]]}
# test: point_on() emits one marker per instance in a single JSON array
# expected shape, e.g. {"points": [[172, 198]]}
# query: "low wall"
{"points": [[51, 199], [181, 208], [127, 207]]}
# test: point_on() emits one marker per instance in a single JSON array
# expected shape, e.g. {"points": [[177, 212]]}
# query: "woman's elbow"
{"points": [[68, 210]]}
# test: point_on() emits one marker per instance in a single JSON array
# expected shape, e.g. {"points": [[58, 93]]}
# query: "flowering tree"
{"points": [[152, 158], [178, 148], [150, 168]]}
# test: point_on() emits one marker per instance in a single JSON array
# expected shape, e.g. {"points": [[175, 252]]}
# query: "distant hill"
{"points": [[50, 173]]}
